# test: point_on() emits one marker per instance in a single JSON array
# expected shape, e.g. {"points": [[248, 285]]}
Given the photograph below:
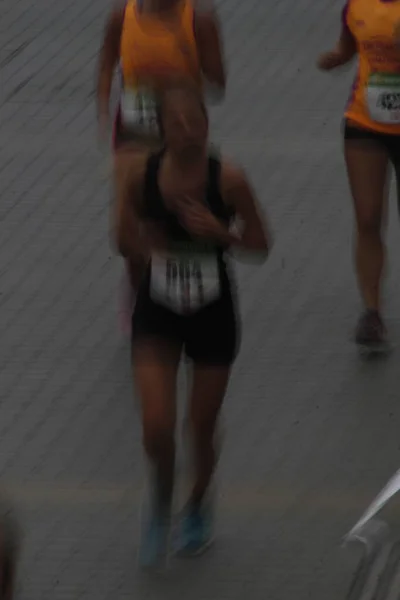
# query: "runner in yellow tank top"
{"points": [[154, 42], [370, 29]]}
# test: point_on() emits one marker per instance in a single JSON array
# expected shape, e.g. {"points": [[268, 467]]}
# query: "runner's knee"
{"points": [[369, 223], [158, 436], [203, 427]]}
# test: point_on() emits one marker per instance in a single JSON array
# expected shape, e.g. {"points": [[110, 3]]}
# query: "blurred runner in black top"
{"points": [[181, 210]]}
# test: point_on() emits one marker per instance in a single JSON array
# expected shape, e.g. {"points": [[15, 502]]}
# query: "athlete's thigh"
{"points": [[367, 160], [213, 348], [213, 335], [156, 351], [212, 344], [155, 363]]}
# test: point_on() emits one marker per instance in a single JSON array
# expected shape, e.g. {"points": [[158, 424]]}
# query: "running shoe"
{"points": [[371, 332], [195, 533], [153, 550]]}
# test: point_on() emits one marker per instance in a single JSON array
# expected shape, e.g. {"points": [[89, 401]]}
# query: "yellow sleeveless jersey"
{"points": [[374, 102], [148, 44], [149, 47]]}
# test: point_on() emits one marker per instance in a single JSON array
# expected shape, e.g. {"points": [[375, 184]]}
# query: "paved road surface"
{"points": [[311, 433]]}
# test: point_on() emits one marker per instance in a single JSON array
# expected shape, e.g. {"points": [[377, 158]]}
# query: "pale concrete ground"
{"points": [[311, 433]]}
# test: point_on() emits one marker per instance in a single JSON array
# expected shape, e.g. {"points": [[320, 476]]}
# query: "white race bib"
{"points": [[184, 283], [383, 98], [139, 111]]}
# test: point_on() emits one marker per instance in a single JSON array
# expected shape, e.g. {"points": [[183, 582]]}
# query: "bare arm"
{"points": [[346, 46], [108, 58], [209, 46], [253, 235], [250, 233], [343, 52], [129, 177]]}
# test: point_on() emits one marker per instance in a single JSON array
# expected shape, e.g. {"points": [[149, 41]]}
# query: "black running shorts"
{"points": [[390, 142], [209, 336]]}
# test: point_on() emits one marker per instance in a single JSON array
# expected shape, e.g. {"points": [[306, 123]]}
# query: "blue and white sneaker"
{"points": [[153, 551], [195, 533]]}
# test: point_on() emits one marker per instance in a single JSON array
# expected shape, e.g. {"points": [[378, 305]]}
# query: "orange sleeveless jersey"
{"points": [[375, 98], [147, 44]]}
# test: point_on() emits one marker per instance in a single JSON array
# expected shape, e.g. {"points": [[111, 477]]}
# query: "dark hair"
{"points": [[186, 88]]}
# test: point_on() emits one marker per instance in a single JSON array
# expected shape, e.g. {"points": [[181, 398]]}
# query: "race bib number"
{"points": [[383, 98], [184, 284], [139, 111]]}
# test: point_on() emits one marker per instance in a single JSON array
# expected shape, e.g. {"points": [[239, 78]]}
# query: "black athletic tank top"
{"points": [[155, 210], [191, 273]]}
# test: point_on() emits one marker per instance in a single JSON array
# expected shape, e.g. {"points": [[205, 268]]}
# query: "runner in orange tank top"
{"points": [[154, 43], [370, 30]]}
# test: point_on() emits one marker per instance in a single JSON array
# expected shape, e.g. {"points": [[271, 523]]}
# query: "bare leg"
{"points": [[155, 367], [208, 392], [367, 166]]}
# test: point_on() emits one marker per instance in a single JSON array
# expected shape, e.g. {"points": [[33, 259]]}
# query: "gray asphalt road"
{"points": [[311, 433]]}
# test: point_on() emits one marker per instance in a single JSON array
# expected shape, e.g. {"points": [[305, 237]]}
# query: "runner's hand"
{"points": [[199, 221], [330, 60]]}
